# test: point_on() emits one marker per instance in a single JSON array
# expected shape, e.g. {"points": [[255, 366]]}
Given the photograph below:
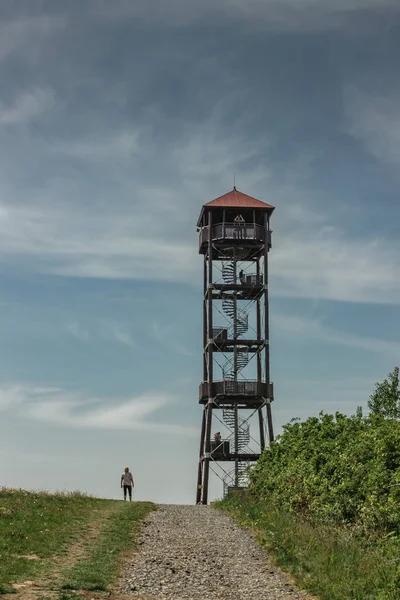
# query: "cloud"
{"points": [[106, 216], [310, 260], [78, 331], [67, 409], [12, 397], [101, 329], [316, 330], [181, 350], [166, 335], [29, 457], [28, 36], [374, 119], [119, 145], [294, 15], [325, 264], [110, 246], [28, 106], [124, 337], [313, 395]]}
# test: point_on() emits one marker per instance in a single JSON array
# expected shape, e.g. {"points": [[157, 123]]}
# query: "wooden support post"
{"points": [[259, 367], [262, 432], [258, 326], [208, 408], [200, 470], [269, 422], [266, 327], [205, 365]]}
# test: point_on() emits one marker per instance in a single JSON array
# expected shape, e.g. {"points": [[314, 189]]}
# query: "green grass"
{"points": [[46, 525], [37, 524], [333, 563], [100, 567]]}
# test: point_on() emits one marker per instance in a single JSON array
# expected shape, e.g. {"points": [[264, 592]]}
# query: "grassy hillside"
{"points": [[332, 562], [325, 498], [63, 541]]}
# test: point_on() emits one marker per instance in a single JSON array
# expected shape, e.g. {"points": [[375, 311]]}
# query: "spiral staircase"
{"points": [[231, 369]]}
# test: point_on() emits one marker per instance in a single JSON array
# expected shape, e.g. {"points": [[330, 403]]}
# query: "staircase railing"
{"points": [[239, 325], [243, 428], [237, 477]]}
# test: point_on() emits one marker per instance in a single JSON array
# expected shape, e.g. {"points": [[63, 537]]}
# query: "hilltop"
{"points": [[65, 541]]}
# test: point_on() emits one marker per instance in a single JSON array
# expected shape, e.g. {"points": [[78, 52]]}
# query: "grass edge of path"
{"points": [[42, 533], [40, 524], [98, 570], [328, 562]]}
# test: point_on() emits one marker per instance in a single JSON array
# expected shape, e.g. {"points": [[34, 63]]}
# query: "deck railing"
{"points": [[237, 388], [232, 231], [220, 334]]}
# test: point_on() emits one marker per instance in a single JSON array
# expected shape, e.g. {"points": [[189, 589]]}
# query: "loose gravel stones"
{"points": [[198, 553]]}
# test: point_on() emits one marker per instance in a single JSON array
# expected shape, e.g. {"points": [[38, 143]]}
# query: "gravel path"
{"points": [[198, 553]]}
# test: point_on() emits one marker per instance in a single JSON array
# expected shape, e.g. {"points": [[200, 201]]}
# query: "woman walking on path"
{"points": [[127, 483]]}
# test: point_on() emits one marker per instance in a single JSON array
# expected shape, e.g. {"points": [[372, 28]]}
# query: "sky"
{"points": [[118, 121]]}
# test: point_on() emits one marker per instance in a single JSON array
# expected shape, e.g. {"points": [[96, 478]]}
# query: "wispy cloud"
{"points": [[76, 410], [341, 394], [326, 264], [374, 118], [101, 329], [151, 237], [78, 331], [317, 262], [307, 15], [123, 336], [119, 145], [28, 36], [27, 106], [166, 335], [11, 397], [314, 329], [131, 212], [110, 246]]}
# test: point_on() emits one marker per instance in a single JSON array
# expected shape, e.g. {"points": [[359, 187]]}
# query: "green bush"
{"points": [[334, 563], [324, 498], [338, 469]]}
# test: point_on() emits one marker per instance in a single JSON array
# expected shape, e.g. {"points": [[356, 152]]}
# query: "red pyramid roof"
{"points": [[235, 198]]}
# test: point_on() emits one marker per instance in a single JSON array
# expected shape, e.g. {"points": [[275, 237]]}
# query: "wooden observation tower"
{"points": [[236, 391]]}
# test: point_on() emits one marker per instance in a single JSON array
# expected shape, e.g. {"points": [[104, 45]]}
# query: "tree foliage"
{"points": [[339, 468], [385, 400]]}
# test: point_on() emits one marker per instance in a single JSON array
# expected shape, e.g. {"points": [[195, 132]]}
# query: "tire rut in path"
{"points": [[47, 584], [199, 553]]}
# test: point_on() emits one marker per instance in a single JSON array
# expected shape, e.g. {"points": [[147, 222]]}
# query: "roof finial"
{"points": [[234, 182]]}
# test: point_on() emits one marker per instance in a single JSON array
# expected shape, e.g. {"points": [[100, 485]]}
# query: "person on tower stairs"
{"points": [[217, 437]]}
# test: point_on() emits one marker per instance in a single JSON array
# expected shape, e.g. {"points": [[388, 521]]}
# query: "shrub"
{"points": [[337, 468]]}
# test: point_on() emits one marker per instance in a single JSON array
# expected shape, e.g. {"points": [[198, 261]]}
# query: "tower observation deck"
{"points": [[236, 391]]}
